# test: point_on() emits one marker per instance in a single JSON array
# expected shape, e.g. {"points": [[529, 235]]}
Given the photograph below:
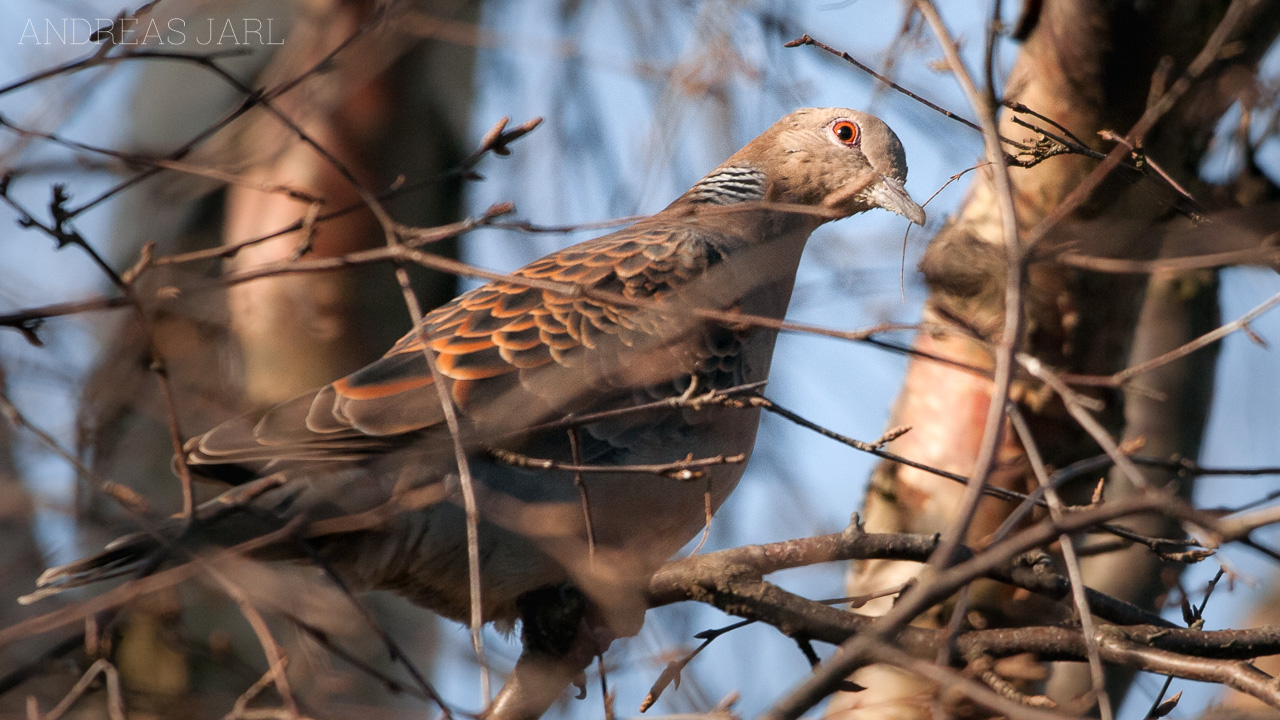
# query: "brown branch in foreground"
{"points": [[1212, 656], [672, 582], [941, 583], [28, 320], [728, 579]]}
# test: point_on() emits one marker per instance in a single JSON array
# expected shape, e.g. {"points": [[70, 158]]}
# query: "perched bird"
{"points": [[545, 366]]}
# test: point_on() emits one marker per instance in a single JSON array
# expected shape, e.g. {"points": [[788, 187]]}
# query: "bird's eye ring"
{"points": [[846, 131]]}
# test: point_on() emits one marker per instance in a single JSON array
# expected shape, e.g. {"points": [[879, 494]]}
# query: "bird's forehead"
{"points": [[796, 138], [820, 117]]}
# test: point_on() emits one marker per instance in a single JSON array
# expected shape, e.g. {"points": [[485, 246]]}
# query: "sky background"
{"points": [[622, 141]]}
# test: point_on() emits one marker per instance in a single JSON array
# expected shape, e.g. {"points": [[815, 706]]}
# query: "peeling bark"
{"points": [[374, 114], [1088, 65]]}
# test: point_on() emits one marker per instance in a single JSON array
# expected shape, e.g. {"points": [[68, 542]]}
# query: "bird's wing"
{"points": [[513, 355]]}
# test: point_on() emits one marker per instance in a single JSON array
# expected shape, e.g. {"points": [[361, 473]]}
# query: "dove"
{"points": [[556, 376]]}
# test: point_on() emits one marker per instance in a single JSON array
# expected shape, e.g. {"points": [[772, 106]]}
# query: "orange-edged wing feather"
{"points": [[511, 354]]}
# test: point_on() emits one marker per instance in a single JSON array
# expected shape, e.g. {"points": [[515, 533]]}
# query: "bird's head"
{"points": [[837, 159]]}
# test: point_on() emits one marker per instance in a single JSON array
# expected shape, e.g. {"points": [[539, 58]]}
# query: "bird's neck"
{"points": [[757, 252], [728, 185], [763, 203]]}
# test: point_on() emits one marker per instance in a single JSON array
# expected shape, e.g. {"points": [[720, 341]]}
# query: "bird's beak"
{"points": [[889, 194]]}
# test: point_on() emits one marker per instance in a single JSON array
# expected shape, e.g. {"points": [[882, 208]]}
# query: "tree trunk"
{"points": [[390, 105], [1089, 66]]}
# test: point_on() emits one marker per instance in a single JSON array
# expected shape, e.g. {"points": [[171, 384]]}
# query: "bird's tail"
{"points": [[252, 511], [124, 556]]}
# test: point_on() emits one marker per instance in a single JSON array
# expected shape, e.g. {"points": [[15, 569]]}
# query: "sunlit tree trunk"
{"points": [[1090, 66], [392, 104], [375, 114]]}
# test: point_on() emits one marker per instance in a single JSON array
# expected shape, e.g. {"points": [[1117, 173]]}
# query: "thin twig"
{"points": [[276, 659], [470, 507], [1074, 575], [683, 470], [62, 232], [1011, 334], [575, 451], [806, 39], [1204, 340], [115, 698]]}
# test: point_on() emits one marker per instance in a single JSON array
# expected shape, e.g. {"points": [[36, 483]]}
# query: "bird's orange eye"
{"points": [[846, 131]]}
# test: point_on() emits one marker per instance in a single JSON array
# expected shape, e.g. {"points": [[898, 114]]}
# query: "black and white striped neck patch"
{"points": [[729, 185]]}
